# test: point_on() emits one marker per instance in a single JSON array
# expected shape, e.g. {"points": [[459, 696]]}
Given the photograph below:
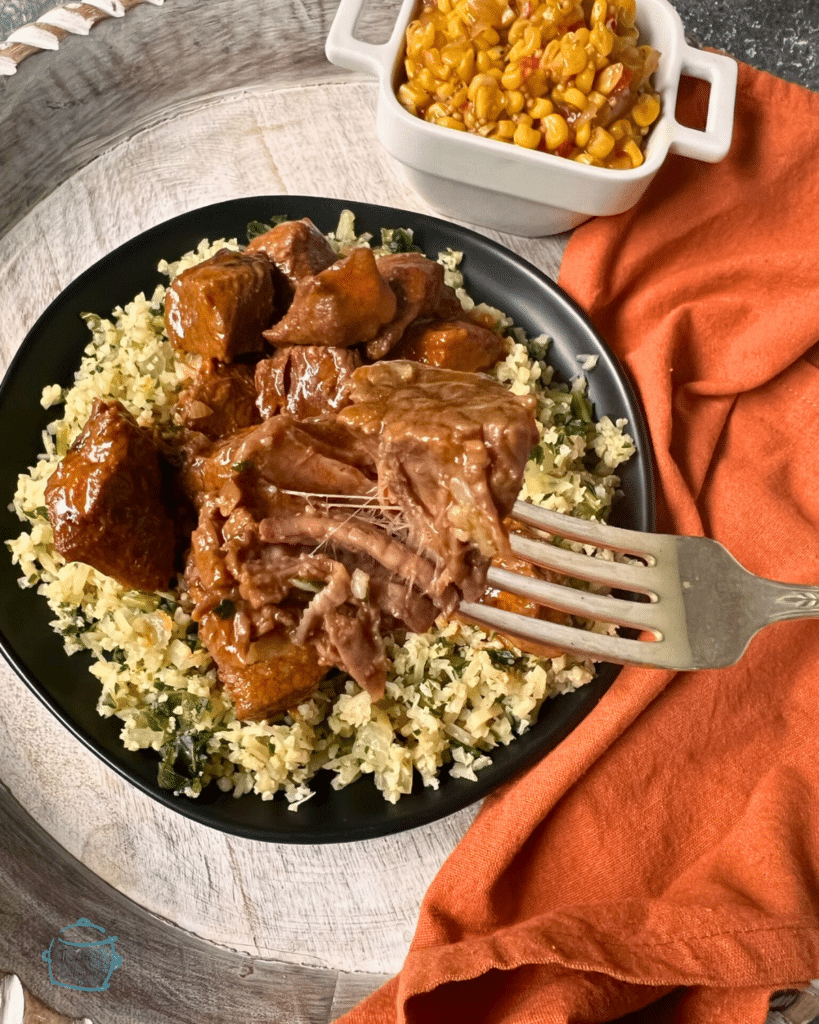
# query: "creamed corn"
{"points": [[556, 75]]}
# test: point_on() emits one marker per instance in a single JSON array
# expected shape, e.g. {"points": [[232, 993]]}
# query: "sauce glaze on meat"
{"points": [[338, 495]]}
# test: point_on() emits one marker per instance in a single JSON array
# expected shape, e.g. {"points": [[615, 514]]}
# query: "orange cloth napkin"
{"points": [[662, 864]]}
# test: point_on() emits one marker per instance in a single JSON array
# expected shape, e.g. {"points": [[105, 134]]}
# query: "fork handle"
{"points": [[785, 601]]}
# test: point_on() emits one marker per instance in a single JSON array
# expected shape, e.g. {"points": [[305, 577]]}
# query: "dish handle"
{"points": [[712, 144], [343, 49]]}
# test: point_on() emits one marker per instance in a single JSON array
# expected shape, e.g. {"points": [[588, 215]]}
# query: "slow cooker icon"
{"points": [[77, 959]]}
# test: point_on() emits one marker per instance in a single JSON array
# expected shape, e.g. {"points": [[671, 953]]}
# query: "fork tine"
{"points": [[597, 646], [581, 603], [646, 545], [644, 579]]}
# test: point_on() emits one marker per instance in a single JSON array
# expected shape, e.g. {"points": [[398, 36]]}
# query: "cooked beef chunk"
{"points": [[219, 400], [450, 449], [338, 530], [346, 304], [450, 345], [297, 249], [304, 380], [420, 291], [284, 674], [220, 307], [345, 533], [105, 502], [280, 453]]}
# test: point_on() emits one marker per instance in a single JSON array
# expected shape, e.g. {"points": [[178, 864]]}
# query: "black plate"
{"points": [[51, 354]]}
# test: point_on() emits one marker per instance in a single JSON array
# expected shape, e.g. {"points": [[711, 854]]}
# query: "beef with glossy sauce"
{"points": [[450, 449], [421, 293], [219, 308], [306, 381], [451, 345], [297, 250], [218, 400], [346, 304], [105, 502]]}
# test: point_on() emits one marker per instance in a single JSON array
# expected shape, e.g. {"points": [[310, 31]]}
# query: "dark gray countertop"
{"points": [[780, 37]]}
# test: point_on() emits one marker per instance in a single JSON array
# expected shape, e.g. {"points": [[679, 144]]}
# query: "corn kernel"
{"points": [[576, 98], [575, 59], [452, 122], [626, 12], [413, 98], [582, 134], [540, 108], [586, 158], [444, 90], [514, 101], [459, 98], [436, 65], [490, 60], [426, 80], [452, 54], [585, 80], [512, 78], [527, 137], [524, 119], [516, 31], [551, 53], [477, 82], [632, 151], [487, 39], [556, 130], [600, 144], [621, 129], [506, 129], [488, 103], [646, 110], [466, 67], [602, 39], [598, 12]]}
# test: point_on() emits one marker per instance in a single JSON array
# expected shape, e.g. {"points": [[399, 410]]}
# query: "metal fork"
{"points": [[699, 607]]}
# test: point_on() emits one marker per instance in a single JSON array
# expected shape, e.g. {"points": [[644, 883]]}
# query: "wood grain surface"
{"points": [[267, 116]]}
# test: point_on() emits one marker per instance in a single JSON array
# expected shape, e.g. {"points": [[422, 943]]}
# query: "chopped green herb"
{"points": [[257, 227], [183, 763], [581, 407], [537, 453], [502, 658], [226, 609], [241, 467], [93, 321], [398, 240]]}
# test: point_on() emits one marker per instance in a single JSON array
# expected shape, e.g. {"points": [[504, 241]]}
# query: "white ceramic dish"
{"points": [[519, 191]]}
